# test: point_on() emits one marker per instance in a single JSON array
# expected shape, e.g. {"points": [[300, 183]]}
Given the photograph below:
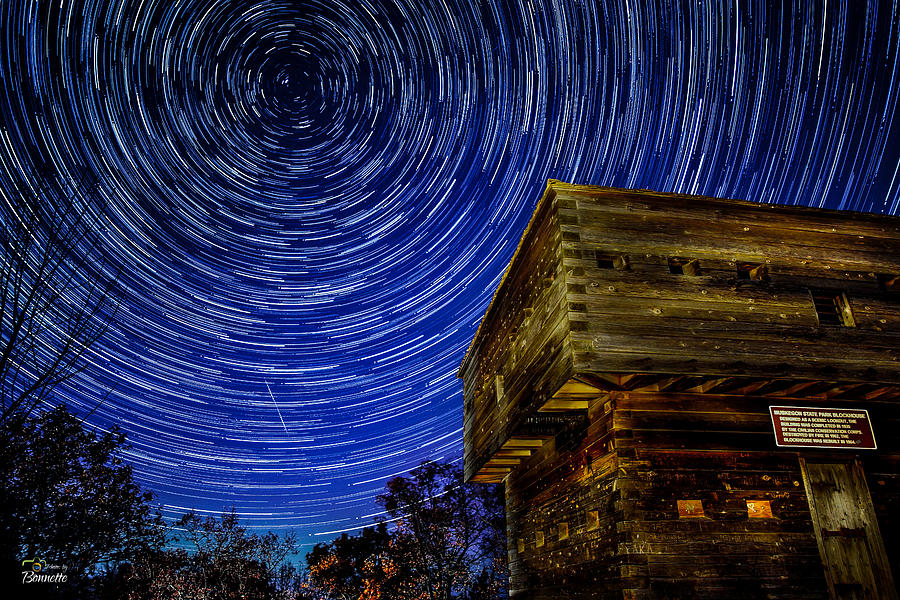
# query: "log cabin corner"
{"points": [[692, 397]]}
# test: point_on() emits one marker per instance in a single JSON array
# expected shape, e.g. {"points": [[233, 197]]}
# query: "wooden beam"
{"points": [[576, 388], [479, 478], [604, 381], [808, 389], [687, 383], [502, 462], [562, 405], [751, 386], [729, 384], [665, 383], [708, 384], [503, 452], [494, 470], [884, 393], [775, 386], [850, 391], [524, 442], [636, 381]]}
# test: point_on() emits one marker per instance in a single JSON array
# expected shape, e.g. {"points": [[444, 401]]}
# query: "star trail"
{"points": [[311, 202]]}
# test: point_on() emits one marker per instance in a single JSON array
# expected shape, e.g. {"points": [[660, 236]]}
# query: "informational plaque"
{"points": [[814, 427]]}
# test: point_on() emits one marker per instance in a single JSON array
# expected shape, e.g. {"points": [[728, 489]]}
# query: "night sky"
{"points": [[312, 202]]}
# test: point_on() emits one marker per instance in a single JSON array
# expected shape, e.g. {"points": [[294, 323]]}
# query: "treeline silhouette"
{"points": [[75, 525]]}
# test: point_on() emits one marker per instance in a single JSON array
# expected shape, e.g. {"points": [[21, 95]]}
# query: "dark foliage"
{"points": [[69, 499], [454, 534], [351, 565], [449, 541], [222, 561]]}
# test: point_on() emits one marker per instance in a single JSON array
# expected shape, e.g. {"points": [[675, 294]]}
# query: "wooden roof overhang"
{"points": [[518, 434], [569, 405]]}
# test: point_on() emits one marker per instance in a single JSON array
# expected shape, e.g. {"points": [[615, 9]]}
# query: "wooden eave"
{"points": [[767, 381], [489, 315], [575, 395]]}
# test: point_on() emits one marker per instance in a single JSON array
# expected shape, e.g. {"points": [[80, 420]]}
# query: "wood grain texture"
{"points": [[589, 289], [625, 368]]}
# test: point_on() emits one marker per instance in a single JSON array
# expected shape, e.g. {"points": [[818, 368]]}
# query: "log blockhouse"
{"points": [[620, 387]]}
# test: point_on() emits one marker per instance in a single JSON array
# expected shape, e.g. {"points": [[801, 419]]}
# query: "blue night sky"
{"points": [[312, 201]]}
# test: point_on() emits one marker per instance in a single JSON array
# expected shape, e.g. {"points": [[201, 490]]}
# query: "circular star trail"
{"points": [[310, 203]]}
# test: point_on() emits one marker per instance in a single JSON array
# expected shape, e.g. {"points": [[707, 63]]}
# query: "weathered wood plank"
{"points": [[616, 201], [675, 373], [692, 236]]}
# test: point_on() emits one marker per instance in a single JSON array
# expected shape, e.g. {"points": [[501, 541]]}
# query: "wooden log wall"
{"points": [[568, 496], [643, 318], [589, 290], [521, 352], [618, 494], [667, 325]]}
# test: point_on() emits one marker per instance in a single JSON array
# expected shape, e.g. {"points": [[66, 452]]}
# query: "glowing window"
{"points": [[688, 509], [759, 509], [593, 520], [889, 282]]}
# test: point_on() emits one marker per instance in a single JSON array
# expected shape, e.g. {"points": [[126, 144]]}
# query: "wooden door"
{"points": [[850, 543]]}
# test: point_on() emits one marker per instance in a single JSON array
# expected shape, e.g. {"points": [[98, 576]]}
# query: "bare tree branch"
{"points": [[55, 303]]}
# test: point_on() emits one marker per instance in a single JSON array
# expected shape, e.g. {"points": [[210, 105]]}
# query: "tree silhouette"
{"points": [[56, 299], [448, 541], [69, 499], [353, 567], [452, 534], [220, 560]]}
